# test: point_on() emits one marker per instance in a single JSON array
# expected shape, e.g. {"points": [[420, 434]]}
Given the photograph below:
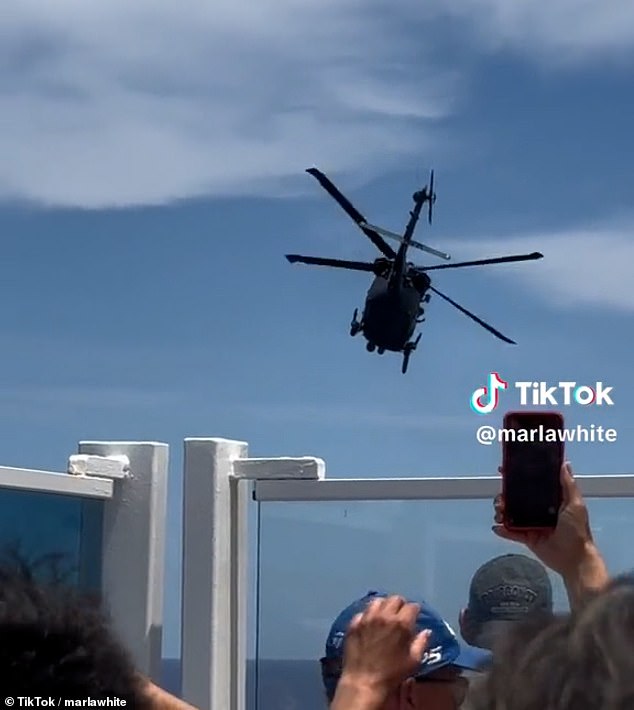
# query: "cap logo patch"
{"points": [[432, 655], [511, 592], [337, 639]]}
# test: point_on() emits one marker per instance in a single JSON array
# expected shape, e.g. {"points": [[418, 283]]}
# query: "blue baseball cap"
{"points": [[443, 647]]}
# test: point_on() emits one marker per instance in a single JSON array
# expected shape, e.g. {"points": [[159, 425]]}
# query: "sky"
{"points": [[153, 179]]}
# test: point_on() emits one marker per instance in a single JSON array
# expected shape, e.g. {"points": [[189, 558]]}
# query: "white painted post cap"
{"points": [[103, 466], [281, 468]]}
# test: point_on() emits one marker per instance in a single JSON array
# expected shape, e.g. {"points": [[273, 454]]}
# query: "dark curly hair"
{"points": [[577, 661], [56, 642]]}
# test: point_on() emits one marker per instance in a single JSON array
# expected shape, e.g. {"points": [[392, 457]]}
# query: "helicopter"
{"points": [[394, 303]]}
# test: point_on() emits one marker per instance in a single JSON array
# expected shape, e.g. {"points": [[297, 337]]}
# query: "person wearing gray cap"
{"points": [[504, 590]]}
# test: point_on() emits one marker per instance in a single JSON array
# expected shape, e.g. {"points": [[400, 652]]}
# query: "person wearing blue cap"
{"points": [[438, 683]]}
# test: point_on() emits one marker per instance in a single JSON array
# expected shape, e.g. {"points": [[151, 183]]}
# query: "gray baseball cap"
{"points": [[504, 590]]}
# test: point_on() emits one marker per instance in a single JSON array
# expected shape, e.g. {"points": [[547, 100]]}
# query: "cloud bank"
{"points": [[561, 32], [116, 103], [581, 268]]}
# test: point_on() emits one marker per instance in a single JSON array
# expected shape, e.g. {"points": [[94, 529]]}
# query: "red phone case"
{"points": [[547, 418]]}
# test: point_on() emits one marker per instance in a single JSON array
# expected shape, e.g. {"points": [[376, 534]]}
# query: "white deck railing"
{"points": [[131, 480], [218, 478]]}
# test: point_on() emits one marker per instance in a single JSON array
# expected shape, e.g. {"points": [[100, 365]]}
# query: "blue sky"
{"points": [[153, 178]]}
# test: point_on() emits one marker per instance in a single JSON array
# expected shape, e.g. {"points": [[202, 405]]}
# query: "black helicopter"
{"points": [[393, 305]]}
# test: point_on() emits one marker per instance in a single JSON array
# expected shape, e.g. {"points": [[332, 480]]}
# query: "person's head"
{"points": [[439, 684], [528, 668], [600, 650], [503, 591], [580, 661], [58, 643]]}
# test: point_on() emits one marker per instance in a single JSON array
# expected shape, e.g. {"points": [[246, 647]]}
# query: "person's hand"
{"points": [[566, 547], [382, 647], [158, 699]]}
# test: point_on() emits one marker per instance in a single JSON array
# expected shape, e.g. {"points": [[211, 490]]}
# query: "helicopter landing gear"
{"points": [[426, 297], [407, 351], [355, 326], [370, 347], [380, 351]]}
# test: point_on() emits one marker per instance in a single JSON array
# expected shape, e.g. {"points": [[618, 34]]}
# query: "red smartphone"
{"points": [[532, 456]]}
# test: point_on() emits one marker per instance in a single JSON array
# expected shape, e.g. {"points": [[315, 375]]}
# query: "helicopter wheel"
{"points": [[406, 355], [381, 351], [370, 347], [355, 326]]}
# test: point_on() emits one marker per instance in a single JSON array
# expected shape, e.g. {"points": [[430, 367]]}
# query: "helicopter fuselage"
{"points": [[391, 312]]}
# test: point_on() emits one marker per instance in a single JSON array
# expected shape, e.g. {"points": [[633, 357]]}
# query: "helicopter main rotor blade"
{"points": [[352, 212], [482, 262], [399, 238], [337, 263], [488, 327]]}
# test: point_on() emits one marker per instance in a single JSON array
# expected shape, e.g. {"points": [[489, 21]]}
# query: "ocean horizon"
{"points": [[271, 684]]}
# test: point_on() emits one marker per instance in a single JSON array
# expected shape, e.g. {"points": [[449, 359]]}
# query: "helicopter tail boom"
{"points": [[399, 238]]}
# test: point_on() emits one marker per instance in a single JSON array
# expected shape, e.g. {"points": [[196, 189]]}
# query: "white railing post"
{"points": [[133, 542], [214, 592], [215, 565]]}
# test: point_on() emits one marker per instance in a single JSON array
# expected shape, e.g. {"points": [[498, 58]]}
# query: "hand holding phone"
{"points": [[532, 456]]}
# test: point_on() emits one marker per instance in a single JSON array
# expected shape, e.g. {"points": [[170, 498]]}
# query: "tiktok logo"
{"points": [[478, 398]]}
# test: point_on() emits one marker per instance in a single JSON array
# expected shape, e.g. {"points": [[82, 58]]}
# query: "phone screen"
{"points": [[532, 488]]}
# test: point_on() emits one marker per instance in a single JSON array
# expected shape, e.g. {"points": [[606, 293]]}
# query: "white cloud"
{"points": [[558, 31], [118, 103], [588, 268], [115, 103]]}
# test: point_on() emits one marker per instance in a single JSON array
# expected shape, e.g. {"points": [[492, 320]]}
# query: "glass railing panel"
{"points": [[55, 533], [316, 558]]}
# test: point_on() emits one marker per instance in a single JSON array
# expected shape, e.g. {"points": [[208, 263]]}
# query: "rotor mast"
{"points": [[419, 198]]}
